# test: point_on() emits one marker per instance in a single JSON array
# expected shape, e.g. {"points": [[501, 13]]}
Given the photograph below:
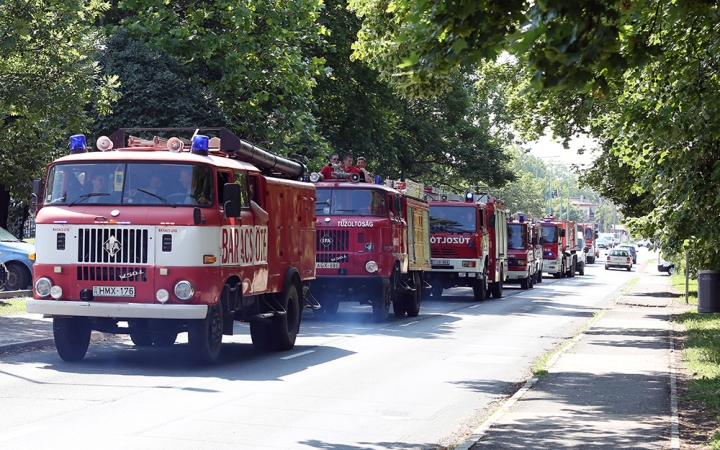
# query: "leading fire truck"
{"points": [[152, 240], [468, 243], [560, 247], [373, 245], [591, 248]]}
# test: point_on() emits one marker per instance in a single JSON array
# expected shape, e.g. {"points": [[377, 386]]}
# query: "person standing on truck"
{"points": [[347, 166], [365, 176], [329, 168]]}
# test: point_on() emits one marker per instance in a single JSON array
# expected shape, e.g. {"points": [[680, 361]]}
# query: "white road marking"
{"points": [[298, 354], [409, 323]]}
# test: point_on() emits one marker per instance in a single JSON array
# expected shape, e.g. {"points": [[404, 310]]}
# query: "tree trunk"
{"points": [[4, 206]]}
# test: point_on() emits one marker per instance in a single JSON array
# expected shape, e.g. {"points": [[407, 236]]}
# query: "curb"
{"points": [[14, 294], [96, 336]]}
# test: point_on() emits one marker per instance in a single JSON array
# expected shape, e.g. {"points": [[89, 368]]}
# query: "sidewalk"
{"points": [[614, 388]]}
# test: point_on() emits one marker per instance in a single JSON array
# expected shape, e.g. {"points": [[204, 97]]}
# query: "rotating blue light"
{"points": [[78, 144], [200, 145], [469, 196]]}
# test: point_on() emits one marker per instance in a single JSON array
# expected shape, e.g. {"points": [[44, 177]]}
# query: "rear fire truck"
{"points": [[468, 243], [524, 253], [152, 240], [373, 246], [559, 243]]}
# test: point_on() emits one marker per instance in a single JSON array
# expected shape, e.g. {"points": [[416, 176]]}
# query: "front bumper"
{"points": [[116, 310]]}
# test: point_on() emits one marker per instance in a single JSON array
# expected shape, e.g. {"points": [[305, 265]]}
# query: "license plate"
{"points": [[440, 262], [114, 291], [330, 265]]}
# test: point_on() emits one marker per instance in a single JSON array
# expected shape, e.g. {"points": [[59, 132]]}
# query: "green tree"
{"points": [[524, 195], [253, 56], [48, 82]]}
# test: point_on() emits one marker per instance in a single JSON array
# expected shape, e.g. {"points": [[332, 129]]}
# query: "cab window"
{"points": [[241, 178]]}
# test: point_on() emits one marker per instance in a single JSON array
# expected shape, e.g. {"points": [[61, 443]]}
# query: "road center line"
{"points": [[409, 323], [298, 354]]}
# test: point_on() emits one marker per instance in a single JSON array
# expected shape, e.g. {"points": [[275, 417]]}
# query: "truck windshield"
{"points": [[160, 184], [357, 202], [517, 236], [453, 219], [588, 234], [549, 234]]}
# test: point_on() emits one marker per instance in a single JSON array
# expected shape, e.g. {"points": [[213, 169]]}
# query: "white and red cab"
{"points": [[468, 243], [152, 240], [524, 253], [560, 247]]}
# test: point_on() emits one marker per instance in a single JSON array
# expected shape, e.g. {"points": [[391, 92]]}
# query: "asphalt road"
{"points": [[349, 383]]}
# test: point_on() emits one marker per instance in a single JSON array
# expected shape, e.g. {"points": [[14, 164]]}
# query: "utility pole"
{"points": [[568, 197]]}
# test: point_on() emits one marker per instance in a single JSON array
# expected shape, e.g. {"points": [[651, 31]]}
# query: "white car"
{"points": [[619, 258]]}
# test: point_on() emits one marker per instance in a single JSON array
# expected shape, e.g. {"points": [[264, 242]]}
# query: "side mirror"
{"points": [[231, 194], [492, 221], [562, 232], [398, 206], [534, 240], [596, 235]]}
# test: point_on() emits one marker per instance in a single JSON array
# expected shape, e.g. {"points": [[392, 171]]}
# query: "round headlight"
{"points": [[56, 292], [184, 290], [42, 287], [371, 266], [162, 295]]}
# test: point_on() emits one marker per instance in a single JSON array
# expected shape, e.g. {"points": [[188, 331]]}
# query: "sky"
{"points": [[548, 150]]}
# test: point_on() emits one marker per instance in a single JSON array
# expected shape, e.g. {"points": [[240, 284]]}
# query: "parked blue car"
{"points": [[632, 251], [15, 254]]}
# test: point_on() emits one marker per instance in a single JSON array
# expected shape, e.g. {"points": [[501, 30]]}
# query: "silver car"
{"points": [[619, 258]]}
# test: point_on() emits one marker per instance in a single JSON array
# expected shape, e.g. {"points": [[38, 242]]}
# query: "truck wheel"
{"points": [[414, 298], [437, 289], [205, 336], [531, 281], [141, 340], [480, 289], [573, 268], [581, 269], [524, 283], [381, 305], [538, 278], [72, 337], [163, 340], [285, 327], [497, 288], [399, 308], [18, 277], [261, 336], [591, 260], [562, 271]]}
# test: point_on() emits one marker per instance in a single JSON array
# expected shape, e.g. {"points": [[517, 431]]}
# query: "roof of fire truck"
{"points": [[407, 188], [223, 150]]}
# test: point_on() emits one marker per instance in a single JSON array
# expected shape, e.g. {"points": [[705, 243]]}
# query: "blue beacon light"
{"points": [[200, 145], [469, 196], [78, 144]]}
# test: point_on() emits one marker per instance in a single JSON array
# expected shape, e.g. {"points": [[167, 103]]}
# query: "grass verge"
{"points": [[9, 306], [701, 352]]}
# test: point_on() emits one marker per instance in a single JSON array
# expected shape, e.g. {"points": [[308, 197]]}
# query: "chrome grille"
{"points": [[333, 240], [443, 253], [113, 245], [105, 273]]}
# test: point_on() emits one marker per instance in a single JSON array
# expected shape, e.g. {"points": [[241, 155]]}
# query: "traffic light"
{"points": [[554, 193]]}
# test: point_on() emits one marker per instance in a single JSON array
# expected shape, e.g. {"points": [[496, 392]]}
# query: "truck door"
{"points": [[258, 236]]}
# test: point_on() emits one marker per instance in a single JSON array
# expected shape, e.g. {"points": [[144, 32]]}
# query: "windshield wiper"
{"points": [[85, 196], [156, 196]]}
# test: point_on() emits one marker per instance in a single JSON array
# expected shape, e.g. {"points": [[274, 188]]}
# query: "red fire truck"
{"points": [[152, 240], [524, 252], [468, 243], [591, 249], [373, 246], [559, 243]]}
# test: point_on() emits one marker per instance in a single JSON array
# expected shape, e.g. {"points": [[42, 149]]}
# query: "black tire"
{"points": [[261, 336], [524, 283], [539, 279], [18, 277], [414, 298], [629, 268], [399, 308], [573, 268], [284, 328], [205, 336], [72, 337], [606, 267], [163, 340], [581, 270], [381, 304], [437, 289], [497, 288], [141, 340], [591, 260], [531, 281], [480, 289]]}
